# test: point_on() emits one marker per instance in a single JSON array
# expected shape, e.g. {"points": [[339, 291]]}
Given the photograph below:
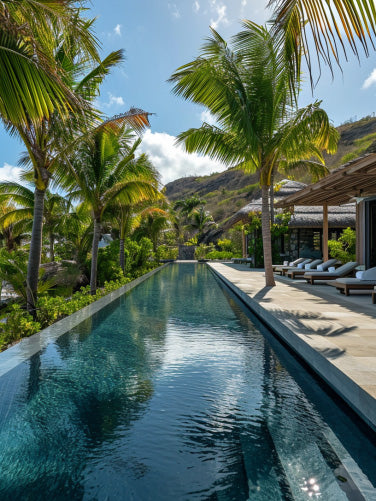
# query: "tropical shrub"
{"points": [[50, 309], [165, 252], [19, 324], [137, 254], [219, 255], [344, 248], [225, 245]]}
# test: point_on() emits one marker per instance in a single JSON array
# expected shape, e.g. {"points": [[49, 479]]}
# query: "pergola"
{"points": [[349, 183]]}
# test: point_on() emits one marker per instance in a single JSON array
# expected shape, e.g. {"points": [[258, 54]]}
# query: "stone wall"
{"points": [[186, 252]]}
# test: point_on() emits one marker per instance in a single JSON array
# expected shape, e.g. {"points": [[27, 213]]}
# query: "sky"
{"points": [[158, 36]]}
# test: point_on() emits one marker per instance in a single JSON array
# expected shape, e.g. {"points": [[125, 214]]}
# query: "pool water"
{"points": [[173, 393]]}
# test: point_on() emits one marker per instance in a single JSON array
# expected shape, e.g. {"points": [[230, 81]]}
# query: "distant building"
{"points": [[305, 236]]}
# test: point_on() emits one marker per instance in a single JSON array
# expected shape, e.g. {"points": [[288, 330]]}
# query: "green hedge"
{"points": [[50, 309]]}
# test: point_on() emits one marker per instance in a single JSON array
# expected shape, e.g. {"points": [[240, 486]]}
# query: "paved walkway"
{"points": [[335, 334]]}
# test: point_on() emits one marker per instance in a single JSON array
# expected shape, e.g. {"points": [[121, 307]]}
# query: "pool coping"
{"points": [[27, 347], [353, 394]]}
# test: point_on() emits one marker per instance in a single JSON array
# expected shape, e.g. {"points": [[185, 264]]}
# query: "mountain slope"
{"points": [[228, 191]]}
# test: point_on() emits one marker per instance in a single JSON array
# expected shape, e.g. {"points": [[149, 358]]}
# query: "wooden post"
{"points": [[244, 243], [359, 233], [325, 232]]}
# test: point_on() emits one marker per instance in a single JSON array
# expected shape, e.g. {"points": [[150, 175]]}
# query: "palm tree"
{"points": [[152, 221], [11, 233], [56, 210], [187, 206], [200, 220], [127, 216], [100, 173], [32, 86], [327, 24], [247, 89]]}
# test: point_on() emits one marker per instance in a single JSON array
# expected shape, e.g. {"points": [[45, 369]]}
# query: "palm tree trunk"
{"points": [[271, 192], [121, 255], [94, 256], [35, 251], [266, 237], [52, 249]]}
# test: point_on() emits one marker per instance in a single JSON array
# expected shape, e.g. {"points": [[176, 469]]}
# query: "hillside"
{"points": [[228, 191]]}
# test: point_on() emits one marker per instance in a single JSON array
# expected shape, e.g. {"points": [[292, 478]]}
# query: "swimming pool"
{"points": [[173, 393]]}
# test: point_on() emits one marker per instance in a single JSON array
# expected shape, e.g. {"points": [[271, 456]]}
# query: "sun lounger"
{"points": [[316, 265], [299, 271], [343, 271], [282, 270], [374, 296], [366, 281], [292, 263]]}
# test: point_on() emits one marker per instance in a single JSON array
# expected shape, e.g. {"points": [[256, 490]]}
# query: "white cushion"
{"points": [[320, 268], [307, 266], [359, 274], [285, 263], [332, 269], [292, 263], [301, 266], [369, 274]]}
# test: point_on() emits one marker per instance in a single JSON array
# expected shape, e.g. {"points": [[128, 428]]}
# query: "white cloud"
{"points": [[114, 101], [117, 30], [220, 10], [207, 117], [10, 173], [196, 6], [172, 161], [174, 10], [371, 80]]}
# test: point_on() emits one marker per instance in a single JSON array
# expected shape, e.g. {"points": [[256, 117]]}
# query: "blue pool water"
{"points": [[173, 393]]}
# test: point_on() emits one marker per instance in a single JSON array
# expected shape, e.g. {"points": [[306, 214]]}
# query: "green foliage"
{"points": [[225, 245], [50, 309], [164, 252], [137, 254], [191, 241], [279, 228], [108, 263], [219, 255], [202, 250], [19, 324], [344, 248]]}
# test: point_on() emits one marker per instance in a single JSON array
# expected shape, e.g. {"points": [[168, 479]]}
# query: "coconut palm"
{"points": [[128, 215], [327, 24], [56, 210], [201, 220], [247, 88], [32, 87], [100, 173], [188, 205], [49, 140], [152, 221]]}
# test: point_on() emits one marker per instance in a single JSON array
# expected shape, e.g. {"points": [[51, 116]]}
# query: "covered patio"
{"points": [[352, 182]]}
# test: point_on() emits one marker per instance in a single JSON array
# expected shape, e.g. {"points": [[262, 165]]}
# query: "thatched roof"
{"points": [[303, 216]]}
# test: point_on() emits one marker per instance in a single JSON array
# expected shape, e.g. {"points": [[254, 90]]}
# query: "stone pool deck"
{"points": [[334, 334]]}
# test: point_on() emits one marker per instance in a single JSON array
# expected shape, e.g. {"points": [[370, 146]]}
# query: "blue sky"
{"points": [[160, 35]]}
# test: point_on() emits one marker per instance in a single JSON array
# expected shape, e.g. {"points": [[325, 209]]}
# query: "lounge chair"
{"points": [[316, 265], [340, 272], [292, 263], [282, 270], [366, 280], [300, 270]]}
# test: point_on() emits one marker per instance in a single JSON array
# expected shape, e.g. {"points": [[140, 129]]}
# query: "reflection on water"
{"points": [[171, 393]]}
